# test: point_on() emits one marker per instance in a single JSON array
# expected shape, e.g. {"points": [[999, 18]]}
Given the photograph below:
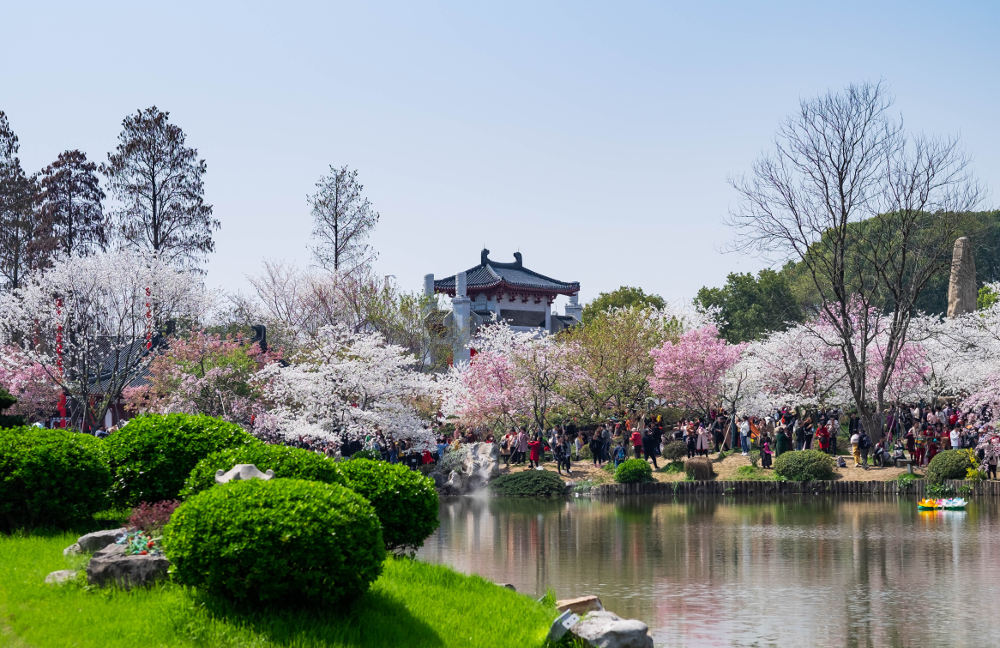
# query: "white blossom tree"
{"points": [[92, 321], [349, 385]]}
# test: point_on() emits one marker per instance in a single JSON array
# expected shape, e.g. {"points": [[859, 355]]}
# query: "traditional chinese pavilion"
{"points": [[503, 291]]}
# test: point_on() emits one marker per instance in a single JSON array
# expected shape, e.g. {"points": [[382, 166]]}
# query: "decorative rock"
{"points": [[480, 464], [580, 605], [607, 630], [111, 566], [242, 472], [60, 577], [98, 540], [962, 290]]}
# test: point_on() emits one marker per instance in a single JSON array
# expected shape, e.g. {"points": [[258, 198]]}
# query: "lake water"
{"points": [[790, 572]]}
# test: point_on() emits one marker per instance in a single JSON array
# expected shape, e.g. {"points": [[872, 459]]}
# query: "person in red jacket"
{"points": [[535, 446], [637, 443]]}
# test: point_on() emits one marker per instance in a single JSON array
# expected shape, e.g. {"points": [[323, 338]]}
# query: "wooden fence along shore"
{"points": [[913, 489]]}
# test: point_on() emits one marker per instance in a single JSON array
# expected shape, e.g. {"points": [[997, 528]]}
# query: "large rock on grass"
{"points": [[95, 541], [111, 566], [608, 630]]}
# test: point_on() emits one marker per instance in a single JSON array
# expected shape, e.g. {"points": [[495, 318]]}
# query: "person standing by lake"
{"points": [[636, 439], [535, 447], [649, 447]]}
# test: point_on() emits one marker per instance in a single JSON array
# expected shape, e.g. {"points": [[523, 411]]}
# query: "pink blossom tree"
{"points": [[691, 371], [204, 373], [30, 383]]}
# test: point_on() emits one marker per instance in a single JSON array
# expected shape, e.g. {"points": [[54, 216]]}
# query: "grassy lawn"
{"points": [[412, 604]]}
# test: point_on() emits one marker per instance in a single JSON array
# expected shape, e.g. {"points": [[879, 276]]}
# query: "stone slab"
{"points": [[580, 605]]}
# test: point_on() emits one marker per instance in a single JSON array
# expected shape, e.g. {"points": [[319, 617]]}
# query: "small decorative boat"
{"points": [[928, 505], [955, 504]]}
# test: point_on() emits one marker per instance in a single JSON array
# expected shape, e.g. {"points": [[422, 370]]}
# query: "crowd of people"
{"points": [[913, 435]]}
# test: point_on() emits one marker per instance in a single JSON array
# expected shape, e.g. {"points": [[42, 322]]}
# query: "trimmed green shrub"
{"points": [[949, 464], [286, 462], [699, 469], [804, 465], [675, 450], [153, 454], [528, 483], [633, 471], [50, 477], [271, 541], [405, 500]]}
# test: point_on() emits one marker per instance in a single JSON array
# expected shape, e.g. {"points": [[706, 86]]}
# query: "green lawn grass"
{"points": [[412, 604]]}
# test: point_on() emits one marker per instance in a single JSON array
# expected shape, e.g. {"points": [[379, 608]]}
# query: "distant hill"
{"points": [[792, 295]]}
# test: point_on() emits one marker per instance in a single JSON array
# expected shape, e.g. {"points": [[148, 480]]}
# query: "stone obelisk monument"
{"points": [[962, 290]]}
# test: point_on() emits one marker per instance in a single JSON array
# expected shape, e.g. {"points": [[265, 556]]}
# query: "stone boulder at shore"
{"points": [[608, 630], [477, 464]]}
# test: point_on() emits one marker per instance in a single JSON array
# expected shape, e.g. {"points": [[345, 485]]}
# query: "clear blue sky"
{"points": [[596, 138]]}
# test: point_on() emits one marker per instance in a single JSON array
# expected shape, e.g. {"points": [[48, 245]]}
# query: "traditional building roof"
{"points": [[493, 277]]}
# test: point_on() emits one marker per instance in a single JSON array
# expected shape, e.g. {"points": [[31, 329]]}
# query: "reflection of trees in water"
{"points": [[793, 571]]}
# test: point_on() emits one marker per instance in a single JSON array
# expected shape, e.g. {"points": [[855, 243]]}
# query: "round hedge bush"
{"points": [[50, 477], [804, 465], [633, 471], [675, 450], [285, 461], [152, 456], [405, 500], [271, 541], [528, 483], [948, 464]]}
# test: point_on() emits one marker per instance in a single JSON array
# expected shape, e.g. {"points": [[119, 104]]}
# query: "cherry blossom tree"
{"points": [[30, 383], [92, 322], [349, 385], [204, 373], [515, 378], [691, 371]]}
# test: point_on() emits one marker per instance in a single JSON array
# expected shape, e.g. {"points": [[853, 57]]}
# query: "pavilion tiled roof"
{"points": [[494, 277]]}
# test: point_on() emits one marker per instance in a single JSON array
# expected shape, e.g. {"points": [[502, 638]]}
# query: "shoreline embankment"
{"points": [[917, 488]]}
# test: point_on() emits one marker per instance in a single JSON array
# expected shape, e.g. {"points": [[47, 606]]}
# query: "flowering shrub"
{"points": [[139, 543], [152, 517]]}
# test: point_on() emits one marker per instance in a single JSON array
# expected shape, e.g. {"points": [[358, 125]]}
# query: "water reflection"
{"points": [[791, 572]]}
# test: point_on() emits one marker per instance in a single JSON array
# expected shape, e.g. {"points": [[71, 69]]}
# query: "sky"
{"points": [[596, 138]]}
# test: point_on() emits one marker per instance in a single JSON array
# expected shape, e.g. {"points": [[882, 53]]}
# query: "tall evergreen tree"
{"points": [[159, 185], [72, 216], [18, 216]]}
